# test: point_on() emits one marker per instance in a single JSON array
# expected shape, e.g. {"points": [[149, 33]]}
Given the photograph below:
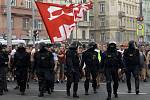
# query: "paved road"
{"points": [[59, 94]]}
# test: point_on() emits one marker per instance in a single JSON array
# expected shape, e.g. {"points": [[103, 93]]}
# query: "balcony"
{"points": [[121, 14], [84, 24], [19, 11]]}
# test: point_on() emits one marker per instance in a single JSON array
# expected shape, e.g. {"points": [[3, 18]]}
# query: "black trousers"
{"points": [[89, 73], [135, 71], [21, 77], [73, 78], [111, 75], [45, 80], [3, 82]]}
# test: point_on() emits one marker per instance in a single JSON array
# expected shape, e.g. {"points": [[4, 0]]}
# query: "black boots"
{"points": [[22, 93], [129, 90], [75, 95], [109, 96], [1, 92], [86, 92], [137, 91], [41, 94], [95, 91], [68, 92], [116, 95]]}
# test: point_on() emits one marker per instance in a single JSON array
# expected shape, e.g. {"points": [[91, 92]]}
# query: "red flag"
{"points": [[60, 20]]}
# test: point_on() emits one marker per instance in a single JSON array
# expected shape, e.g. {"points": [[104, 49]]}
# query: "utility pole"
{"points": [[140, 26], [141, 8], [33, 23], [9, 25]]}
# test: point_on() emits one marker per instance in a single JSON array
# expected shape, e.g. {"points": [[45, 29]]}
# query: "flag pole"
{"points": [[65, 32]]}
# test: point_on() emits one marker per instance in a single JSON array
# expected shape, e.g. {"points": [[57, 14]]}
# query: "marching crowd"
{"points": [[94, 63]]}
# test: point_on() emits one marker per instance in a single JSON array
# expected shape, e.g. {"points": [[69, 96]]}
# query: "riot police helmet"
{"points": [[21, 47], [74, 45], [132, 44], [112, 46], [1, 45], [42, 45], [92, 45]]}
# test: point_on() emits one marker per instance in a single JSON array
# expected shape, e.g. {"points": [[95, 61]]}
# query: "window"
{"points": [[12, 22], [28, 4], [130, 10], [133, 10], [133, 23], [120, 6], [103, 37], [92, 36], [85, 16], [13, 2], [38, 24], [102, 7], [127, 10], [84, 1], [26, 23], [102, 21], [124, 7], [119, 36], [39, 0], [83, 35]]}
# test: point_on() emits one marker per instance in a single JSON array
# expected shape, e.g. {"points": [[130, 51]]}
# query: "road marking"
{"points": [[60, 90], [131, 93]]}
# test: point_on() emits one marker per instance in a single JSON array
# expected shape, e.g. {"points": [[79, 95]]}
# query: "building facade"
{"points": [[146, 14], [21, 20], [114, 20]]}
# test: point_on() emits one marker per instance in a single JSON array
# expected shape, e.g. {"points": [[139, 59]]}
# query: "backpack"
{"points": [[2, 60], [132, 56], [111, 59], [20, 59], [44, 59]]}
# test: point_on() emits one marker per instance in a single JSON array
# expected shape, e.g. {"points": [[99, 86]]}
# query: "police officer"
{"points": [[111, 62], [21, 63], [44, 65], [132, 63], [3, 63], [90, 58], [6, 56], [73, 69]]}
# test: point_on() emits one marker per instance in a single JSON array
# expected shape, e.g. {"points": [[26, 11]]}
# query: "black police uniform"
{"points": [[111, 62], [132, 63], [6, 54], [21, 63], [90, 58], [73, 69], [3, 62], [44, 66]]}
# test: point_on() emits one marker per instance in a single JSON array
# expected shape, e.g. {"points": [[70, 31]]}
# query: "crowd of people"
{"points": [[69, 64]]}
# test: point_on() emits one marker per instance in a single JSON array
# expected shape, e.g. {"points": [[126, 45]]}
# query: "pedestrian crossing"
{"points": [[126, 93]]}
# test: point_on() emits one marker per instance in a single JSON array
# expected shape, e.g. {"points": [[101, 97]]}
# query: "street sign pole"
{"points": [[33, 22]]}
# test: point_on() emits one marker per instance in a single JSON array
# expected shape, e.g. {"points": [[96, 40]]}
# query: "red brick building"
{"points": [[21, 20]]}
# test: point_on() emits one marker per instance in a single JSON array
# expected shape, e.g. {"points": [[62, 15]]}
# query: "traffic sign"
{"points": [[140, 28]]}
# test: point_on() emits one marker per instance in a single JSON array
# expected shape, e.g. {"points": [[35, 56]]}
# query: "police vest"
{"points": [[111, 59], [99, 55]]}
